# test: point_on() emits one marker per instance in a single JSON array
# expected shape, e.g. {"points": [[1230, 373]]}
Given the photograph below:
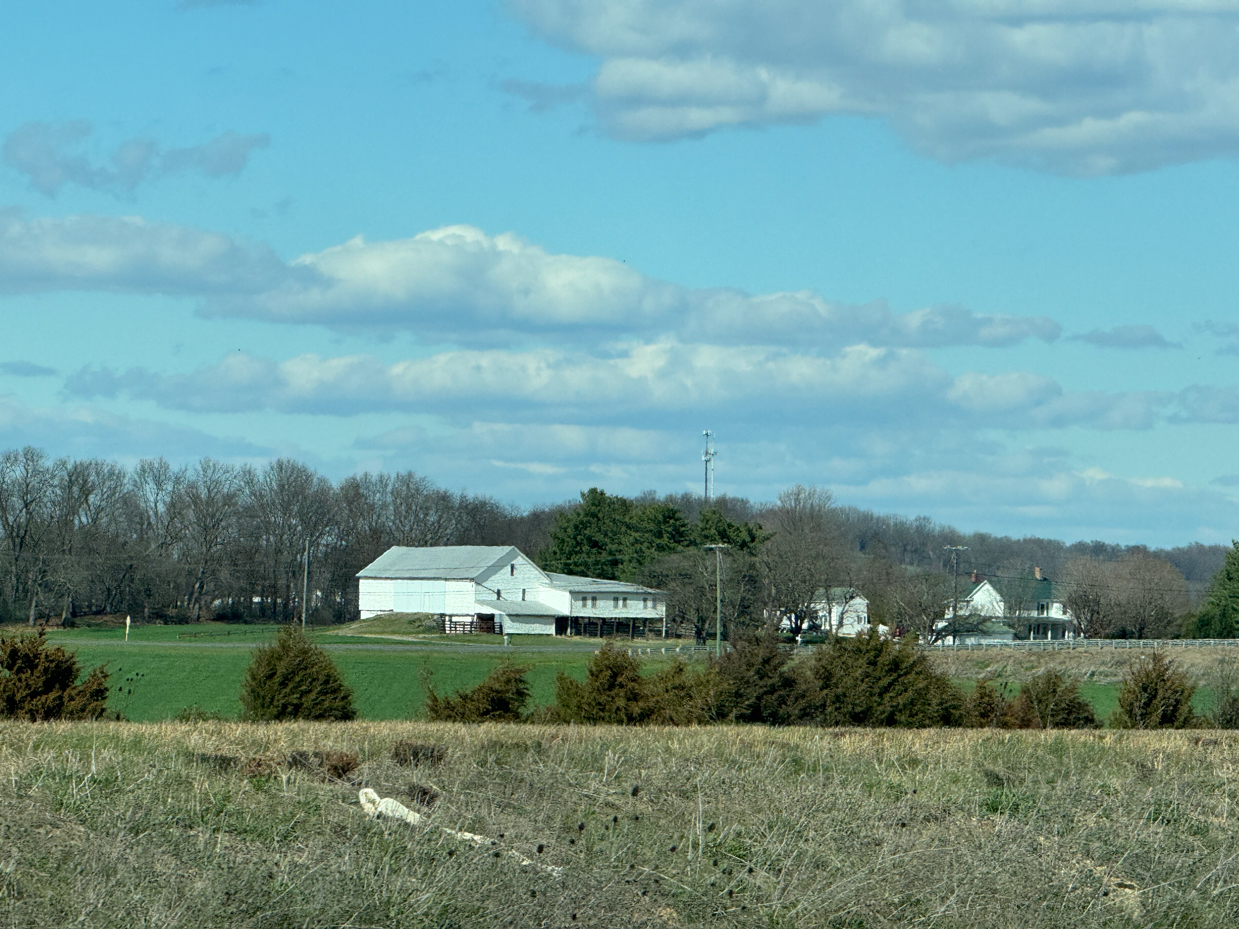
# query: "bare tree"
{"points": [[801, 559], [27, 482], [211, 495]]}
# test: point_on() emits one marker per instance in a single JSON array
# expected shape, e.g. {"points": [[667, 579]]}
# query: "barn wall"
{"points": [[527, 577], [528, 625], [374, 596]]}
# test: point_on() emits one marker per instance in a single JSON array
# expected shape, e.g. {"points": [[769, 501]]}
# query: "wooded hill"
{"points": [[216, 540]]}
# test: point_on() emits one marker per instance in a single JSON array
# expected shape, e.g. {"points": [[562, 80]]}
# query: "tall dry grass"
{"points": [[171, 825], [1099, 665]]}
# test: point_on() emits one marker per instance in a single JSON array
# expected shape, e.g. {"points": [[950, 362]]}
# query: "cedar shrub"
{"points": [[868, 680], [292, 678], [1051, 700], [38, 682], [499, 698], [1156, 693]]}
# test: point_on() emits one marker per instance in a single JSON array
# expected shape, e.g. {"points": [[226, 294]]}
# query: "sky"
{"points": [[972, 260]]}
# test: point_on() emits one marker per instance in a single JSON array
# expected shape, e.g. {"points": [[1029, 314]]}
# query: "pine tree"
{"points": [[1219, 615], [292, 678]]}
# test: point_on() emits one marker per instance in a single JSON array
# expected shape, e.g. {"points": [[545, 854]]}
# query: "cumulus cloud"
{"points": [[544, 97], [1222, 330], [26, 369], [86, 431], [48, 155], [647, 380], [445, 277], [1127, 337], [129, 255], [1081, 88], [647, 384], [460, 282]]}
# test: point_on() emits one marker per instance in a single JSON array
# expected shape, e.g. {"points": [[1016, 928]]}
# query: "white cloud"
{"points": [[1126, 337], [1000, 393], [84, 431], [49, 156], [459, 282], [456, 274], [1078, 88], [643, 380], [128, 255]]}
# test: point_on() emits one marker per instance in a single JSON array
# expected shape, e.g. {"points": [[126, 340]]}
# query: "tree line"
{"points": [[217, 540]]}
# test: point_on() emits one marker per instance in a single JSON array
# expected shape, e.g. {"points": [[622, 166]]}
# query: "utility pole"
{"points": [[305, 583], [955, 550], [708, 457], [718, 597]]}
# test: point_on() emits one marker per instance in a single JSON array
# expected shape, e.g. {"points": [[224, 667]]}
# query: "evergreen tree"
{"points": [[868, 680], [613, 538], [1219, 615], [500, 698], [38, 682], [292, 678], [1156, 693]]}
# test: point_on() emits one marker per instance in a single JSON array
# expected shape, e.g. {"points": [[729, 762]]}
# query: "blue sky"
{"points": [[972, 260]]}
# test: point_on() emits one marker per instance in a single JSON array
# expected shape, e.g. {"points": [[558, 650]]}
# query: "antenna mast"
{"points": [[708, 457]]}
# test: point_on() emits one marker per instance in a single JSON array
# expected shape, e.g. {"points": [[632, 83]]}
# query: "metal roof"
{"points": [[597, 585], [517, 608], [450, 562]]}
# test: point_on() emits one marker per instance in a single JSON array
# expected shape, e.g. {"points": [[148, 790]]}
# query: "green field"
{"points": [[164, 669]]}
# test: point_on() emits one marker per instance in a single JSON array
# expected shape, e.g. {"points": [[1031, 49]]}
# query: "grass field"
{"points": [[164, 669], [217, 824]]}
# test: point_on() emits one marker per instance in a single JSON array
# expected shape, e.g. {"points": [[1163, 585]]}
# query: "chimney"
{"points": [[1037, 574], [974, 577]]}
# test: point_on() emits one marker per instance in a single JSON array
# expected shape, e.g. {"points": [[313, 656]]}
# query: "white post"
{"points": [[127, 621]]}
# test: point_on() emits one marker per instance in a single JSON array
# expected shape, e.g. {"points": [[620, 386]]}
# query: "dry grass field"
{"points": [[223, 824], [1092, 665]]}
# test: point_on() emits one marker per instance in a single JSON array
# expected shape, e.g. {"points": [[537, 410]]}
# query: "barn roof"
{"points": [[450, 562], [597, 585], [517, 608]]}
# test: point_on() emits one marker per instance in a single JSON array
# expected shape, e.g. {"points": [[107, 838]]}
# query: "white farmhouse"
{"points": [[842, 610], [483, 588], [1008, 605]]}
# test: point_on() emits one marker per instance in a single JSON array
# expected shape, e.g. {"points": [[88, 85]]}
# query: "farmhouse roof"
{"points": [[450, 562]]}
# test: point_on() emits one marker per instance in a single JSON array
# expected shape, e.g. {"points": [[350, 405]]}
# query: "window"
{"points": [[615, 603], [645, 603], [512, 569], [498, 594], [625, 604], [522, 593], [1042, 609], [585, 601], [594, 602]]}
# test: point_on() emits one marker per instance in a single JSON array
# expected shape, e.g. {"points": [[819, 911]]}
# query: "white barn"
{"points": [[483, 588]]}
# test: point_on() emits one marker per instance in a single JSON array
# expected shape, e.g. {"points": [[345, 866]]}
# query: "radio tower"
{"points": [[708, 457]]}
